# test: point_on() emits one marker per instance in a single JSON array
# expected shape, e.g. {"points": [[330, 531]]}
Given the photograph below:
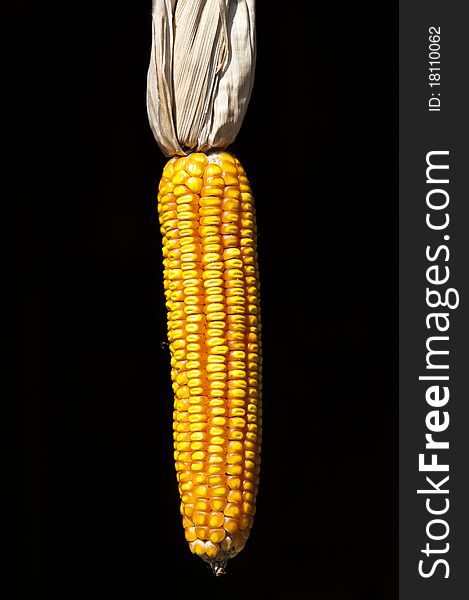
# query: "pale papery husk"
{"points": [[201, 72]]}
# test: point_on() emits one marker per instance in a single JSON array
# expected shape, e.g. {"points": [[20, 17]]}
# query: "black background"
{"points": [[93, 470]]}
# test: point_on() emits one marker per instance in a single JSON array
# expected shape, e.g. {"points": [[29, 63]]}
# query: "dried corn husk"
{"points": [[201, 72]]}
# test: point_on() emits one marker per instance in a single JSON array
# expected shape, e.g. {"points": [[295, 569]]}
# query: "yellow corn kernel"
{"points": [[232, 510], [190, 534], [218, 504], [216, 535], [216, 519]]}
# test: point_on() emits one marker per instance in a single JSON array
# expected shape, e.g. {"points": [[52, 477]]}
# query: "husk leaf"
{"points": [[201, 72]]}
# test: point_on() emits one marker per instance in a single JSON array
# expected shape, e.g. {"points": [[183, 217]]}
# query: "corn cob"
{"points": [[211, 284]]}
